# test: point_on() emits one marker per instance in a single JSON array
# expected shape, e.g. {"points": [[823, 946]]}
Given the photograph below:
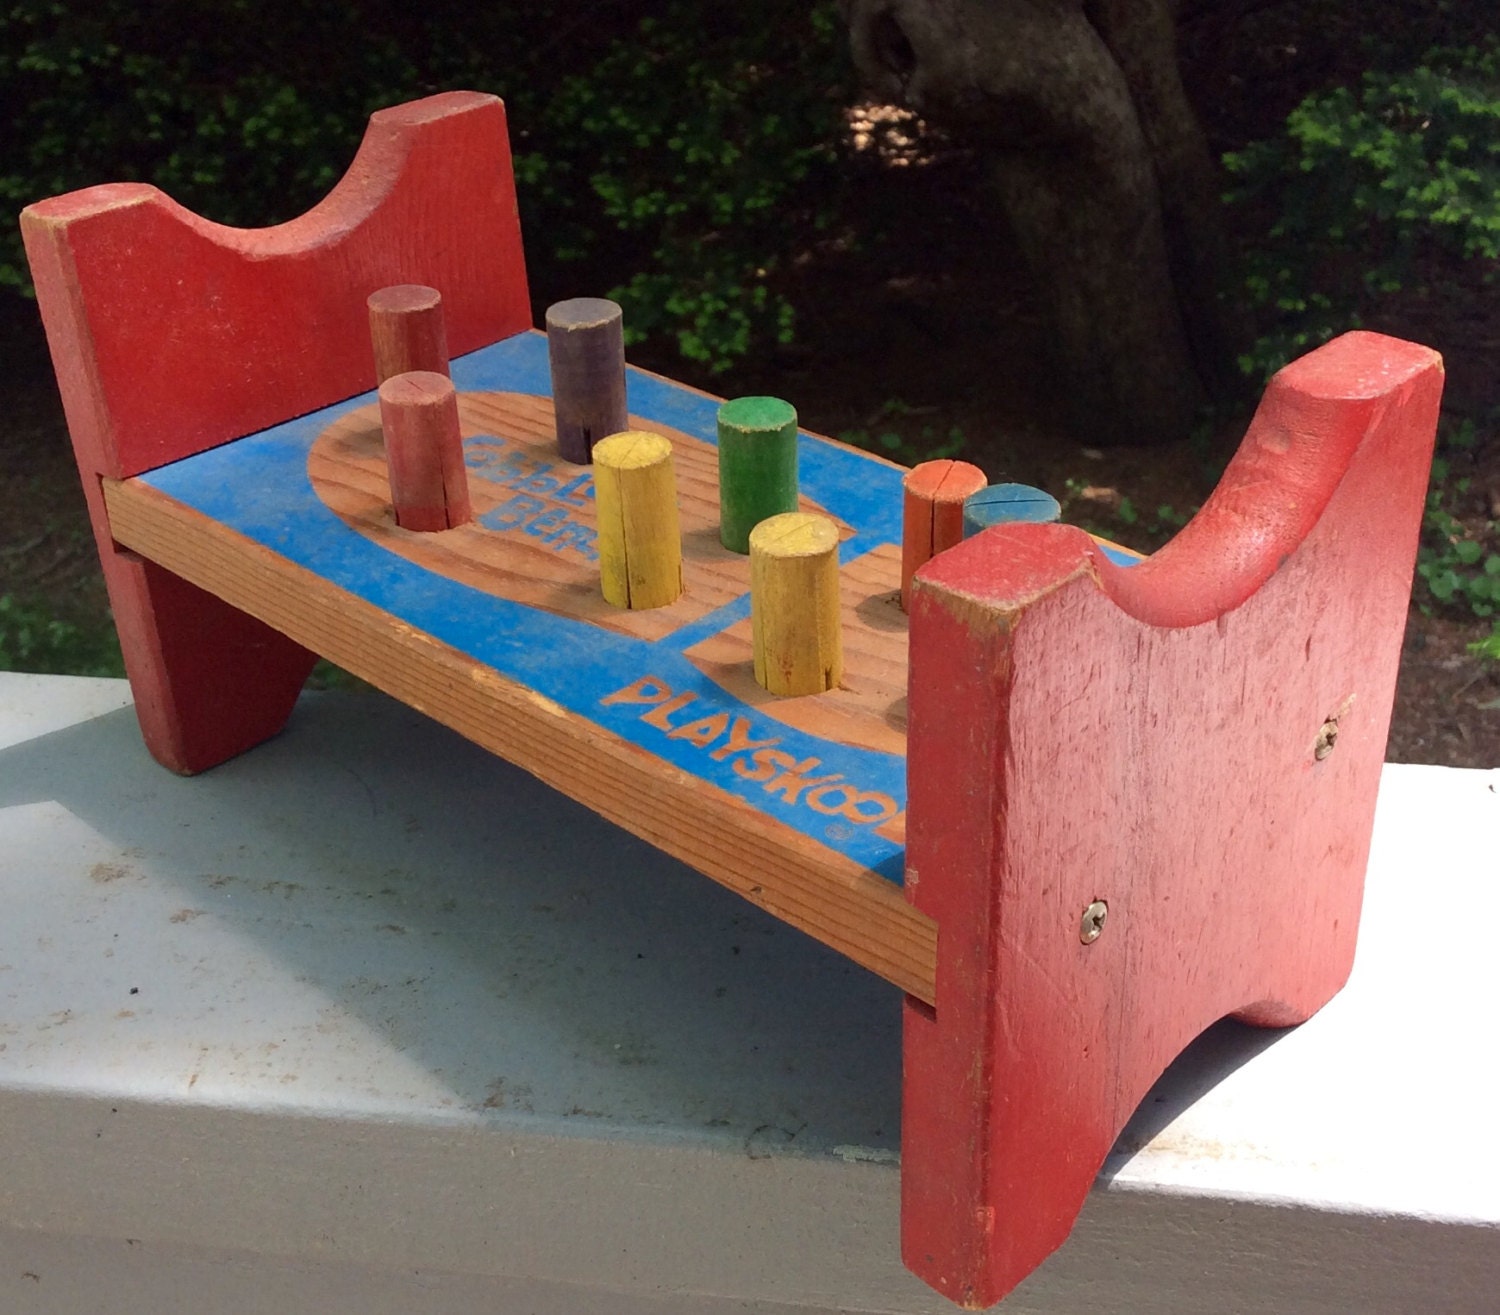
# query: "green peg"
{"points": [[757, 466]]}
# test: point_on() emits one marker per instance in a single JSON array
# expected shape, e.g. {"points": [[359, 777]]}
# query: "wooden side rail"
{"points": [[1141, 800]]}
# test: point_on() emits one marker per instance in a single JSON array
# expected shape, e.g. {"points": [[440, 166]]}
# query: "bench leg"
{"points": [[209, 681]]}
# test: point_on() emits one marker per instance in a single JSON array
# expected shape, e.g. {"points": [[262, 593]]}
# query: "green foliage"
{"points": [[1489, 646], [327, 676], [1459, 562], [216, 104], [920, 443], [1166, 520], [33, 639], [1459, 570], [1378, 195], [667, 150], [1389, 187], [1116, 517], [695, 143]]}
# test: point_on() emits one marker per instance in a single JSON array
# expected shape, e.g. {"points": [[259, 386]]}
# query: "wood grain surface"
{"points": [[347, 470], [796, 879]]}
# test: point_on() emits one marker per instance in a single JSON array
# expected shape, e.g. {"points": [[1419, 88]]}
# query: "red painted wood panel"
{"points": [[1146, 737], [171, 334]]}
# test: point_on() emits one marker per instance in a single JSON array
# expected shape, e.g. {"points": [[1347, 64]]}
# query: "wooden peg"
{"points": [[640, 543], [424, 451], [1002, 503], [932, 518], [407, 331], [794, 604], [586, 349], [757, 466]]}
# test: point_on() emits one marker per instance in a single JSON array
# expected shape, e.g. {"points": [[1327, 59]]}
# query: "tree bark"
{"points": [[1103, 173]]}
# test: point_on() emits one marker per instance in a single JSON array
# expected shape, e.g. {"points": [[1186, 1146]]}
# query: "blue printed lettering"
{"points": [[583, 486], [580, 538], [537, 482], [547, 522]]}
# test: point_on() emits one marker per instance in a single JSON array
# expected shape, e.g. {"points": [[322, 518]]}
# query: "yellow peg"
{"points": [[640, 543], [794, 603]]}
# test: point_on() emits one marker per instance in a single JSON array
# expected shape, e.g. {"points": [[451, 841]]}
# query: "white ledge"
{"points": [[368, 1021]]}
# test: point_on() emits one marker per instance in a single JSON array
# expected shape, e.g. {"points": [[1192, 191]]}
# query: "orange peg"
{"points": [[933, 513]]}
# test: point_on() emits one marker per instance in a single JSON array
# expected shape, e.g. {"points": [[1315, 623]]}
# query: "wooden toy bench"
{"points": [[1076, 811]]}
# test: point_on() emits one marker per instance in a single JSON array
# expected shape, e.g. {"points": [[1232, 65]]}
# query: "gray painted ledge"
{"points": [[368, 1021]]}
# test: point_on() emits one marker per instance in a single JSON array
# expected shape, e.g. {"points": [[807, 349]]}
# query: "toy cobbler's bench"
{"points": [[1099, 808]]}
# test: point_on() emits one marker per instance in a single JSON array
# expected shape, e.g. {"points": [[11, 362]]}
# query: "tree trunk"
{"points": [[1102, 171]]}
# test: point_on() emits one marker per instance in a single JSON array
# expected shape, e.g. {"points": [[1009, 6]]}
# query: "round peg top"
{"points": [[583, 313], [1001, 504], [407, 331], [417, 388], [795, 534], [945, 480], [757, 415], [404, 299], [633, 450]]}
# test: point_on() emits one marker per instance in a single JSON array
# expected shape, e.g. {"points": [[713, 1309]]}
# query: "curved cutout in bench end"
{"points": [[1195, 742], [171, 334]]}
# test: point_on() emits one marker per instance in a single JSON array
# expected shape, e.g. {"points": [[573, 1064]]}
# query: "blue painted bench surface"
{"points": [[260, 487]]}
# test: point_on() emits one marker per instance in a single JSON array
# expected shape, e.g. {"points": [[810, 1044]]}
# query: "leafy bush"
{"points": [[673, 152], [33, 639], [1377, 196], [1458, 568], [692, 148], [910, 448], [1392, 186], [1459, 562], [221, 105], [1489, 646]]}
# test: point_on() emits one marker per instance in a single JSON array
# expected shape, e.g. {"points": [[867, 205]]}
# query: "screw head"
{"points": [[1093, 920]]}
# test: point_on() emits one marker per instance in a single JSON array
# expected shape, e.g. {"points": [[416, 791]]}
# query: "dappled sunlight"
{"points": [[894, 134]]}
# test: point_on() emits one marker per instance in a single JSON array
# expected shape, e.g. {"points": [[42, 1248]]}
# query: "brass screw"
{"points": [[1093, 921]]}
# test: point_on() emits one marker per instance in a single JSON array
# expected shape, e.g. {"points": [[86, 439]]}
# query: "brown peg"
{"points": [[424, 451], [407, 331], [586, 349]]}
